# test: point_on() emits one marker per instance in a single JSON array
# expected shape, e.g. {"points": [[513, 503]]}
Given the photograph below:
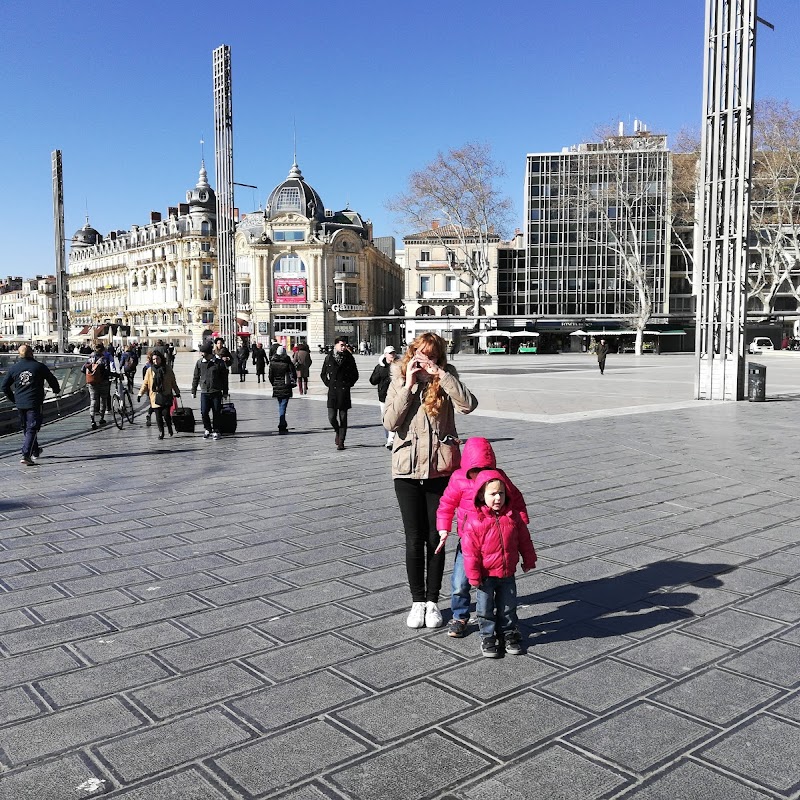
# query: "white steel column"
{"points": [[723, 199], [223, 168]]}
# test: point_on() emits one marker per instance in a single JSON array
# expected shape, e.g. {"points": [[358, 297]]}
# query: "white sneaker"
{"points": [[206, 434], [215, 435], [416, 617], [433, 618]]}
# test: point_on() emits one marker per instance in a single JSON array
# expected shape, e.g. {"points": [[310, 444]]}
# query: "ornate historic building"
{"points": [[433, 290], [305, 273], [155, 281], [298, 267]]}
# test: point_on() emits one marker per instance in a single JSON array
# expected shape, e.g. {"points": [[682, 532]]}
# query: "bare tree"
{"points": [[775, 204], [459, 187], [685, 162]]}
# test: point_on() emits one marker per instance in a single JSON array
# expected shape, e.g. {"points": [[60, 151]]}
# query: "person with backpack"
{"points": [[128, 363], [98, 380]]}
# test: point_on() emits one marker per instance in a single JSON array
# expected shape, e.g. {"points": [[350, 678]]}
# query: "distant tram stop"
{"points": [[756, 383]]}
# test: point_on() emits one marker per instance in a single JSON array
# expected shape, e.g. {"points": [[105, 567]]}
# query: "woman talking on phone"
{"points": [[423, 396]]}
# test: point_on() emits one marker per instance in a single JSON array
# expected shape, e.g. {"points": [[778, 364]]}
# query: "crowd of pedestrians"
{"points": [[419, 395]]}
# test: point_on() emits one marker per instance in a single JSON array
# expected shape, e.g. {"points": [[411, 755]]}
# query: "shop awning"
{"points": [[506, 334]]}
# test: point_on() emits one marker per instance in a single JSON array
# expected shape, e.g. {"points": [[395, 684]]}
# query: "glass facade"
{"points": [[598, 221]]}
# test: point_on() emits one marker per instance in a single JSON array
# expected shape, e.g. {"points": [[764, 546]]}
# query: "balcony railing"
{"points": [[351, 274]]}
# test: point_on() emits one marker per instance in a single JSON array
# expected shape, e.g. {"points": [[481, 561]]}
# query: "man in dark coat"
{"points": [[24, 385], [260, 359], [602, 352], [282, 376], [339, 374]]}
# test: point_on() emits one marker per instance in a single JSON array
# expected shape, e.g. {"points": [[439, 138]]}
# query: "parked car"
{"points": [[760, 344]]}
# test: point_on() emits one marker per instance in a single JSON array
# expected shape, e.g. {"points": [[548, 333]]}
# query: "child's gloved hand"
{"points": [[442, 539]]}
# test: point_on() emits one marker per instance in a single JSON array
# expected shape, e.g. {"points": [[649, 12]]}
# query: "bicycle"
{"points": [[121, 402]]}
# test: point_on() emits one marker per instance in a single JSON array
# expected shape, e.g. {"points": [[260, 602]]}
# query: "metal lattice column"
{"points": [[62, 296], [723, 198], [223, 168]]}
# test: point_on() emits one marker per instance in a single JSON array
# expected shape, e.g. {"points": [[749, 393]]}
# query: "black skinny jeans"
{"points": [[340, 424], [163, 416], [418, 501]]}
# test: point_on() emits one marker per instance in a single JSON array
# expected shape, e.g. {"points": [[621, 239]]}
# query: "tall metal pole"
{"points": [[223, 167], [723, 198], [62, 297]]}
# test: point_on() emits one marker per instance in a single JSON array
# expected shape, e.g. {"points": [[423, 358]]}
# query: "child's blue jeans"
{"points": [[497, 606], [459, 602]]}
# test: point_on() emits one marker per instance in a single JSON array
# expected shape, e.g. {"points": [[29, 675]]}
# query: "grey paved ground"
{"points": [[204, 620]]}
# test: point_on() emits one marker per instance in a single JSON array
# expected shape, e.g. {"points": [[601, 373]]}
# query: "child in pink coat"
{"points": [[493, 538], [457, 500]]}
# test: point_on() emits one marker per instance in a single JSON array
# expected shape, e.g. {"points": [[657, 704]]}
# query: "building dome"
{"points": [[296, 196], [202, 197], [86, 236]]}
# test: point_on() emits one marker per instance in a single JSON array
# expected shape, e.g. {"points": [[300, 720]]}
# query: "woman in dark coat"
{"points": [[282, 376], [339, 373], [260, 358]]}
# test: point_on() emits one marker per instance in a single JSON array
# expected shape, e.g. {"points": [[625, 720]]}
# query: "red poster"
{"points": [[290, 290]]}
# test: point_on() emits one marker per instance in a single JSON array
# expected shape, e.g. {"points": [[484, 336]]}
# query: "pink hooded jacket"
{"points": [[459, 496], [492, 542]]}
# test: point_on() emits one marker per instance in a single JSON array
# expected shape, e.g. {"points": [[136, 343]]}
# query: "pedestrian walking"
{"points": [[211, 377], [160, 386], [339, 374], [128, 363], [494, 538], [302, 364], [23, 385], [260, 359], [423, 396], [242, 355], [98, 380], [283, 377], [224, 355], [382, 377], [457, 500], [601, 353]]}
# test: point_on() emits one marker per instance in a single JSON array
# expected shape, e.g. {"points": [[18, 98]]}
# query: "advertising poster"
{"points": [[290, 290]]}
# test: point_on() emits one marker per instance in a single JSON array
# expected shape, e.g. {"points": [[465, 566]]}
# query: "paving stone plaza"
{"points": [[201, 620]]}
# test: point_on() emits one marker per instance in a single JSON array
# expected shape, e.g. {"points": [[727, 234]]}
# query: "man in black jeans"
{"points": [[211, 375], [24, 385], [339, 374]]}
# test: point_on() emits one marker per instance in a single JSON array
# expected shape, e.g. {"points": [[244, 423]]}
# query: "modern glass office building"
{"points": [[597, 224]]}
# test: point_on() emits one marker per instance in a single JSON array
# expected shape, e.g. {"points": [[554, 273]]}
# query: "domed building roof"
{"points": [[296, 196], [86, 236], [202, 197]]}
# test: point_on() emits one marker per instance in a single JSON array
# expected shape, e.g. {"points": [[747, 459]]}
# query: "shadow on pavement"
{"points": [[620, 604]]}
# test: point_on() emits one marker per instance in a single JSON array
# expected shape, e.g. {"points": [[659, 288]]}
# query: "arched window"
{"points": [[289, 264], [289, 200], [425, 311], [450, 311], [204, 228]]}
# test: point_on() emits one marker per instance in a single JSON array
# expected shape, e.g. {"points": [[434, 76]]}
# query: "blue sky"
{"points": [[375, 89]]}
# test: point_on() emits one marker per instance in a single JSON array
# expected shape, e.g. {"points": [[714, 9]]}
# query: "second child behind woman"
{"points": [[457, 500]]}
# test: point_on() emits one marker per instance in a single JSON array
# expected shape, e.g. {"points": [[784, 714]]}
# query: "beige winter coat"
{"points": [[424, 447]]}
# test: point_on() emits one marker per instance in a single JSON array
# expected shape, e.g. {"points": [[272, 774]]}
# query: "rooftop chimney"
{"points": [[434, 224], [155, 216]]}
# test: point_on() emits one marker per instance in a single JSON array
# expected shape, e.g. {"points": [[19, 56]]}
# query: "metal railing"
{"points": [[73, 394]]}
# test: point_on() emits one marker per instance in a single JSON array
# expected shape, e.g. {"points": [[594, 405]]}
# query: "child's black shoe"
{"points": [[489, 648], [513, 644]]}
